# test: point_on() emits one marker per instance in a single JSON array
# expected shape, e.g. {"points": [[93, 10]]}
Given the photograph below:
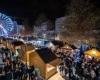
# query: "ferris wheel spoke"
{"points": [[6, 24]]}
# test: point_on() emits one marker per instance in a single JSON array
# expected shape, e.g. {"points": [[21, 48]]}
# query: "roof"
{"points": [[73, 46], [9, 38], [46, 54], [57, 43], [3, 38], [17, 43], [67, 47]]}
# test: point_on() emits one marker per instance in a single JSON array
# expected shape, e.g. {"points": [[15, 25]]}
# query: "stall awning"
{"points": [[93, 53]]}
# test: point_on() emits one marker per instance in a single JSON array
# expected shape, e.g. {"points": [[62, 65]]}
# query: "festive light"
{"points": [[6, 25], [93, 53]]}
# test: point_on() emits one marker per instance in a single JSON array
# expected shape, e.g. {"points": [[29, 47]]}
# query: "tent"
{"points": [[93, 53]]}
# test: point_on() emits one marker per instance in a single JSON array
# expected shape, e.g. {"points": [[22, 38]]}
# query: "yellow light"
{"points": [[94, 52]]}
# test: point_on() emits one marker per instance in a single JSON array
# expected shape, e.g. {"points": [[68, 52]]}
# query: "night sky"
{"points": [[31, 9]]}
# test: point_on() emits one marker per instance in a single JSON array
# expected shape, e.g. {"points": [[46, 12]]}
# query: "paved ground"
{"points": [[56, 77]]}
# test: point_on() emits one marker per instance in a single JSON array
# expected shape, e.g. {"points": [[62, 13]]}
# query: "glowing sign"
{"points": [[6, 25]]}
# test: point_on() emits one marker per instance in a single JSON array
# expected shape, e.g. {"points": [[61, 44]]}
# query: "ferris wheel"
{"points": [[6, 25]]}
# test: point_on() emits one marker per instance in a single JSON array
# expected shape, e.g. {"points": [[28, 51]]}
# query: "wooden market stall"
{"points": [[45, 61]]}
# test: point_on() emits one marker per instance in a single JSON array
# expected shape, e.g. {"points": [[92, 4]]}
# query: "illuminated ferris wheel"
{"points": [[6, 25]]}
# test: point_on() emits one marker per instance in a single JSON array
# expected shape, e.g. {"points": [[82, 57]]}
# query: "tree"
{"points": [[82, 19], [41, 18]]}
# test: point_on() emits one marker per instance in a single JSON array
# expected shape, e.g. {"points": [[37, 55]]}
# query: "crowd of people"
{"points": [[77, 68], [73, 66], [13, 68]]}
